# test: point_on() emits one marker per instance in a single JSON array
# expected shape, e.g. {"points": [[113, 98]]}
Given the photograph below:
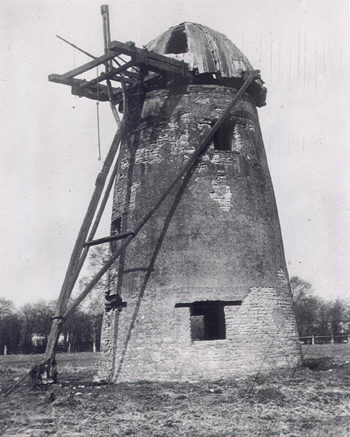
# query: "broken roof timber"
{"points": [[149, 60], [109, 75], [90, 65], [102, 95], [143, 59], [89, 92]]}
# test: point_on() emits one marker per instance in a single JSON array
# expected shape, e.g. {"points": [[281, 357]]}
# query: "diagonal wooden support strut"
{"points": [[74, 264], [108, 239]]}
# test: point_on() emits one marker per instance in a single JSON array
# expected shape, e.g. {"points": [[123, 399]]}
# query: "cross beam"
{"points": [[149, 60], [108, 239], [141, 59]]}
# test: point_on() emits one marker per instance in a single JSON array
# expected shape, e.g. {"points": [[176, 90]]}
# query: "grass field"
{"points": [[299, 402]]}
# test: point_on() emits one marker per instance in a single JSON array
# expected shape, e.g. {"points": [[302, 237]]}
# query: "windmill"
{"points": [[202, 287]]}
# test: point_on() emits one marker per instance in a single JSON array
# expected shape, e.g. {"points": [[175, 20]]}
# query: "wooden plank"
{"points": [[108, 239], [107, 75], [74, 264], [59, 78], [91, 93], [150, 60], [88, 66], [102, 95]]}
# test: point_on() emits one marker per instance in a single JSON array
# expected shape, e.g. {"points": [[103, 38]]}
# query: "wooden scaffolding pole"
{"points": [[75, 264], [107, 40]]}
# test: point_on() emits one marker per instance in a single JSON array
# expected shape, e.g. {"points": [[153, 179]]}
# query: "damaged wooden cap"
{"points": [[206, 52]]}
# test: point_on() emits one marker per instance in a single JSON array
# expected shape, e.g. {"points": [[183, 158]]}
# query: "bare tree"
{"points": [[300, 289], [314, 315]]}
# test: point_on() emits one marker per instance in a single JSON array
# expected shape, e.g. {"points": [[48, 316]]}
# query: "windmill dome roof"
{"points": [[204, 49]]}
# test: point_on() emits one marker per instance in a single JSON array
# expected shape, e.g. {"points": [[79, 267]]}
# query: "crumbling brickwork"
{"points": [[223, 245], [260, 335]]}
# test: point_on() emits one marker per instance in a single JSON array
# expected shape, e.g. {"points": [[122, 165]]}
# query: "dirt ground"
{"points": [[301, 402]]}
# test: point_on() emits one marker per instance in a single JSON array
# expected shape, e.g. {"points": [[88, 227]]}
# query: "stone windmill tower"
{"points": [[198, 284], [202, 292]]}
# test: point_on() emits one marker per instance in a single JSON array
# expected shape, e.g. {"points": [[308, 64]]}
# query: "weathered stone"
{"points": [[222, 254]]}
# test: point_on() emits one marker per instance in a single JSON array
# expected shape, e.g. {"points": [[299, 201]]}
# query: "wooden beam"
{"points": [[108, 239], [59, 78], [100, 212], [78, 48], [107, 75], [152, 61], [102, 94], [74, 264], [118, 79], [133, 74], [76, 83], [88, 66], [91, 92], [141, 58]]}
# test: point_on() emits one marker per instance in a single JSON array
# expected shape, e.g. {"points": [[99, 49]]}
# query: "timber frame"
{"points": [[142, 67], [134, 70]]}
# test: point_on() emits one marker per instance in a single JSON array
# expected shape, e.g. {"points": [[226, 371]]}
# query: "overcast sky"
{"points": [[49, 137]]}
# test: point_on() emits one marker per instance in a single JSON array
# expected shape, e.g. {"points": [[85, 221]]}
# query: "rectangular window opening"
{"points": [[223, 137], [207, 319], [116, 227]]}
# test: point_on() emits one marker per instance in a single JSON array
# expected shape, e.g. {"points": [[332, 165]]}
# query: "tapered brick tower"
{"points": [[203, 289]]}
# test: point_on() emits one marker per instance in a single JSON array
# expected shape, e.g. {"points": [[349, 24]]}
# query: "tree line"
{"points": [[26, 330], [317, 317]]}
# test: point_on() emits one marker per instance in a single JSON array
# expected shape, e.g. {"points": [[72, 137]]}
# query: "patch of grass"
{"points": [[319, 363], [281, 402], [269, 394]]}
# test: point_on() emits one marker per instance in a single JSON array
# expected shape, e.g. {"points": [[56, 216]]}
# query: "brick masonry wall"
{"points": [[223, 243], [260, 335]]}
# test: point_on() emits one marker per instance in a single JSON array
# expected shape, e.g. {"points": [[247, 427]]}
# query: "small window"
{"points": [[115, 229], [207, 319], [178, 41], [223, 137], [116, 226]]}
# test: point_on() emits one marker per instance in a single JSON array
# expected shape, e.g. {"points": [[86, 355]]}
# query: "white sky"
{"points": [[49, 137]]}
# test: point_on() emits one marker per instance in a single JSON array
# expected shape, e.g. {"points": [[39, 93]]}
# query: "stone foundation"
{"points": [[260, 335]]}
